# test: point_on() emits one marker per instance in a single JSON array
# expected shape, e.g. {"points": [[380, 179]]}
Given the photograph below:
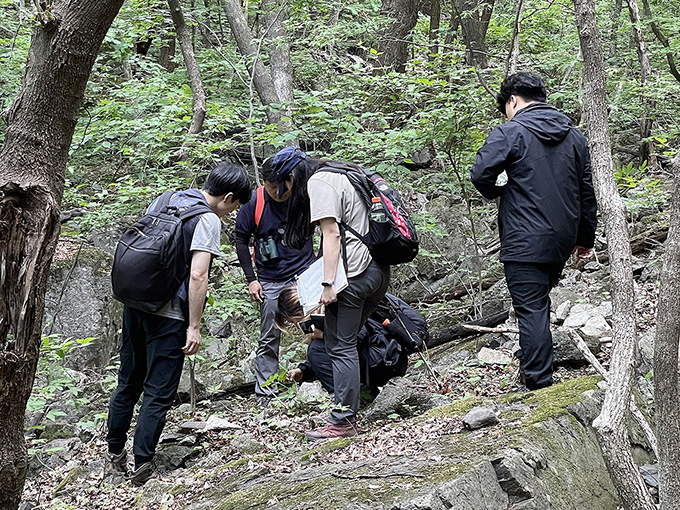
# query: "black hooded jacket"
{"points": [[548, 204]]}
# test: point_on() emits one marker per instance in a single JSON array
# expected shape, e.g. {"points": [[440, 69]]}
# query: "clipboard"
{"points": [[309, 286]]}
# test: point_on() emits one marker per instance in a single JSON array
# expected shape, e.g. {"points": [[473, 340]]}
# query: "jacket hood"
{"points": [[548, 124]]}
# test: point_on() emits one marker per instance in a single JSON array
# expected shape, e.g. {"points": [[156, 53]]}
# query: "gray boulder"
{"points": [[479, 417], [79, 304], [400, 396], [566, 353]]}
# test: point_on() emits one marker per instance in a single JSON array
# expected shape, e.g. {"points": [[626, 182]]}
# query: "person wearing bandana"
{"points": [[328, 199], [276, 265]]}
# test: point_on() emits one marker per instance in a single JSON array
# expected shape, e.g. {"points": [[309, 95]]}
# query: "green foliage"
{"points": [[55, 385]]}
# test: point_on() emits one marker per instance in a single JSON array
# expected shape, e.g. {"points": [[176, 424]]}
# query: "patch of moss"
{"points": [[179, 489], [329, 446], [553, 400], [457, 408]]}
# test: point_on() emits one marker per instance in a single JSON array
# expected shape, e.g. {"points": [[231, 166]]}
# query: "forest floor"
{"points": [[275, 435]]}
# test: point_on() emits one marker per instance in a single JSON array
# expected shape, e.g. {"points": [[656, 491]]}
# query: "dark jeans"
{"points": [[529, 286], [151, 360], [320, 362], [344, 319]]}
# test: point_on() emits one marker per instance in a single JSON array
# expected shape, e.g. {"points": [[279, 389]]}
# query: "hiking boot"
{"points": [[142, 474], [331, 430], [116, 465]]}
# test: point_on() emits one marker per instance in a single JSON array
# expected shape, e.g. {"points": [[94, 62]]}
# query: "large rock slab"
{"points": [[550, 460], [79, 303]]}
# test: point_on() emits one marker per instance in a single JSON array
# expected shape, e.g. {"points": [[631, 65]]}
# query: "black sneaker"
{"points": [[116, 465], [142, 474]]}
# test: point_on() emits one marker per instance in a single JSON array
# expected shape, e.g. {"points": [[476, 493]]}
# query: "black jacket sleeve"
{"points": [[491, 161], [588, 223], [307, 372], [243, 254]]}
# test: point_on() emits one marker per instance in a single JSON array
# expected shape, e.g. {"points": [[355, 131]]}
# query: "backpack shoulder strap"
{"points": [[162, 202], [199, 207], [259, 206]]}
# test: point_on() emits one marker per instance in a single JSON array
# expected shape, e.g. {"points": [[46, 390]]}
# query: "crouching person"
{"points": [[392, 332], [163, 285]]}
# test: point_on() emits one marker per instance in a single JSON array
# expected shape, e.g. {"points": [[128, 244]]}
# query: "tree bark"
{"points": [[648, 104], [279, 59], [167, 53], [185, 43], [610, 425], [279, 51], [666, 393], [435, 22], [262, 80], [513, 54], [394, 44], [40, 125], [473, 17], [662, 39]]}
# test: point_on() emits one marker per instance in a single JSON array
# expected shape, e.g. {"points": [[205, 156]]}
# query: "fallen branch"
{"points": [[637, 414], [461, 331], [497, 329]]}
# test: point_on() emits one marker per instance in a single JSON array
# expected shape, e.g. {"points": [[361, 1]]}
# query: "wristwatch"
{"points": [[328, 284]]}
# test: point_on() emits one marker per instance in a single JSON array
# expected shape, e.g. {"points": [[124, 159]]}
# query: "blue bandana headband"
{"points": [[283, 164]]}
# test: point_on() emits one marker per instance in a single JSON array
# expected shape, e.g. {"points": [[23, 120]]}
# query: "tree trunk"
{"points": [[185, 43], [279, 51], [662, 39], [435, 23], [167, 54], [610, 425], [40, 125], [666, 393], [393, 46], [279, 59], [474, 17], [648, 104], [513, 55], [264, 84]]}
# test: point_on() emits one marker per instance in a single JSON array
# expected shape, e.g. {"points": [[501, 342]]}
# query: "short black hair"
{"points": [[528, 86], [227, 177], [267, 171]]}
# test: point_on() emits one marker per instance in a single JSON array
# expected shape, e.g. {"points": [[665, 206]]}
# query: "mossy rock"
{"points": [[550, 455]]}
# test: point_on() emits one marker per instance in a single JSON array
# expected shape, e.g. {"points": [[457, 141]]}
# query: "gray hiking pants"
{"points": [[344, 319], [267, 354]]}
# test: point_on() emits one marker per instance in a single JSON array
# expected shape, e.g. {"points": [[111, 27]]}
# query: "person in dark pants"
{"points": [[547, 208], [265, 217], [330, 200], [381, 355], [153, 345]]}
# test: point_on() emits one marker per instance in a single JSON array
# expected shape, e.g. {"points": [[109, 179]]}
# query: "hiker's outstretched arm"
{"points": [[198, 287]]}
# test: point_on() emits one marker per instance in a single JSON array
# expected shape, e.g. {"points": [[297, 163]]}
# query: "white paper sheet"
{"points": [[309, 286]]}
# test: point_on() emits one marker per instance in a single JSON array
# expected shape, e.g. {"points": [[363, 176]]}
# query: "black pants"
{"points": [[151, 360], [320, 363], [529, 286], [343, 321]]}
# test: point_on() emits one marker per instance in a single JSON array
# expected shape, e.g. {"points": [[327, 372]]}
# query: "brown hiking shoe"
{"points": [[331, 430], [116, 465], [142, 474]]}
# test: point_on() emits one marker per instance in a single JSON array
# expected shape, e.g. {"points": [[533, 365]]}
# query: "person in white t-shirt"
{"points": [[321, 196], [153, 345]]}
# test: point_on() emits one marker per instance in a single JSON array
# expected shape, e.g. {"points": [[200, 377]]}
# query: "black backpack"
{"points": [[382, 357], [392, 242], [150, 262], [402, 323]]}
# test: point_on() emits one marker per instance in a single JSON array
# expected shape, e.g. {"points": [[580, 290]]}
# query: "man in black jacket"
{"points": [[547, 208]]}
